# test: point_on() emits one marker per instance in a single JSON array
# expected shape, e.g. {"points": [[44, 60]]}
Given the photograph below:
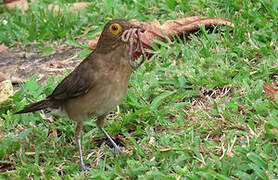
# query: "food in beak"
{"points": [[130, 35]]}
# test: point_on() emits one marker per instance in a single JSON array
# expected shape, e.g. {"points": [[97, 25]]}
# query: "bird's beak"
{"points": [[133, 36], [129, 33], [142, 30]]}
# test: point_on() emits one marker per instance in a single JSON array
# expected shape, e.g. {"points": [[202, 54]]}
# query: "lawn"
{"points": [[195, 110]]}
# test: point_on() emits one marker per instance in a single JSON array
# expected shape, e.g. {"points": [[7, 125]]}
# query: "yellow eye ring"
{"points": [[115, 29]]}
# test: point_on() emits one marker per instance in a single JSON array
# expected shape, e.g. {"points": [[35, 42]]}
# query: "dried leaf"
{"points": [[50, 119], [55, 64], [89, 155], [6, 166], [183, 26], [73, 7], [7, 1], [251, 109], [270, 91], [177, 27], [257, 57], [3, 47], [3, 77], [20, 4], [93, 42], [6, 90], [165, 150], [274, 130], [242, 109], [16, 80], [23, 5], [152, 140], [33, 153]]}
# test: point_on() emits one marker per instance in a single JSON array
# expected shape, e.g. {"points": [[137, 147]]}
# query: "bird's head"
{"points": [[111, 36]]}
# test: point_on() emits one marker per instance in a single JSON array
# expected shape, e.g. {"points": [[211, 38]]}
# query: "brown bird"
{"points": [[97, 84]]}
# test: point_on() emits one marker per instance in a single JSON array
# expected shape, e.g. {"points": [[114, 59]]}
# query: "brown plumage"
{"points": [[96, 86]]}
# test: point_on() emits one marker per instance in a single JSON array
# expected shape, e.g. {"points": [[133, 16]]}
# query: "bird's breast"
{"points": [[110, 86], [116, 84]]}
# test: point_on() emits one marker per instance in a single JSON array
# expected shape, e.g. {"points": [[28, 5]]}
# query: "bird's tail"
{"points": [[35, 107]]}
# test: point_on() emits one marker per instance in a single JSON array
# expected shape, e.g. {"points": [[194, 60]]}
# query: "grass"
{"points": [[195, 110]]}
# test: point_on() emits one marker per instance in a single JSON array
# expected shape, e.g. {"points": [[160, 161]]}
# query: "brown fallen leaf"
{"points": [[8, 1], [274, 130], [3, 47], [93, 42], [242, 109], [3, 77], [7, 166], [6, 90], [165, 150], [14, 80], [73, 7], [23, 5], [171, 28], [50, 119], [251, 109], [17, 80], [270, 91], [257, 57], [33, 153], [13, 4], [152, 140], [54, 64]]}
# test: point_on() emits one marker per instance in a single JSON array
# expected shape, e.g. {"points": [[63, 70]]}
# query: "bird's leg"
{"points": [[78, 140], [117, 149], [100, 124]]}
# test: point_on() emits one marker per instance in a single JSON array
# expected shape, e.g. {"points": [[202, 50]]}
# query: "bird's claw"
{"points": [[83, 167], [117, 150]]}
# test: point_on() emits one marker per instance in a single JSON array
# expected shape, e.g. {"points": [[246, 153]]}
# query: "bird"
{"points": [[97, 85]]}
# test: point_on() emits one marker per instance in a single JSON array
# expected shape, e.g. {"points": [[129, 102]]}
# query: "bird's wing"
{"points": [[78, 83]]}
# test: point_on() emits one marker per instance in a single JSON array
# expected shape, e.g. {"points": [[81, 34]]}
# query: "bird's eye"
{"points": [[115, 29]]}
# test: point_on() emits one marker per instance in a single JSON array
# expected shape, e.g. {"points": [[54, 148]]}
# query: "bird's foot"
{"points": [[83, 167], [116, 150]]}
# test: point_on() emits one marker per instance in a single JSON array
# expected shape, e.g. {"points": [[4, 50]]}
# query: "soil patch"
{"points": [[24, 63]]}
